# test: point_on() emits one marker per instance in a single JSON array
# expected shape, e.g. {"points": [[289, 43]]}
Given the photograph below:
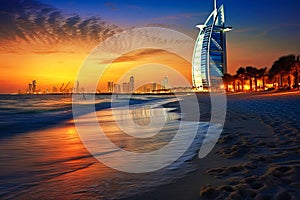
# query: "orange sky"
{"points": [[24, 62], [50, 69], [55, 67], [148, 66]]}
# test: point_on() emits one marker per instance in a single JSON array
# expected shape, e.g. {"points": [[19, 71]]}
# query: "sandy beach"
{"points": [[257, 156]]}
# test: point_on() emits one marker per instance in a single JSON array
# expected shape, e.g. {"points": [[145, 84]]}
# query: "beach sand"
{"points": [[257, 156]]}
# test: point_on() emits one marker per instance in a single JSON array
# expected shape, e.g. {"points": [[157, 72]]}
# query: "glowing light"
{"points": [[201, 26], [227, 29], [246, 87]]}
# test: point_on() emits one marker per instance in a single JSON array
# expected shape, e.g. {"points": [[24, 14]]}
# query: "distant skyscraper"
{"points": [[165, 83], [77, 87], [209, 58], [33, 86], [29, 88], [110, 87], [117, 88], [54, 89], [154, 86], [125, 87], [131, 84]]}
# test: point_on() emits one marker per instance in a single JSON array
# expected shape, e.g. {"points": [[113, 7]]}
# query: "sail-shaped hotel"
{"points": [[209, 59]]}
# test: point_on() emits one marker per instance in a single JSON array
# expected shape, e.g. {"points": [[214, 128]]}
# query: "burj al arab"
{"points": [[209, 59]]}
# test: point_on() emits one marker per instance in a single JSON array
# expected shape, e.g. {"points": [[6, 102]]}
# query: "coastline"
{"points": [[255, 158]]}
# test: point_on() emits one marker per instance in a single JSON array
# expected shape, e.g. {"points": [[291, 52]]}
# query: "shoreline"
{"points": [[257, 156], [253, 159], [155, 94]]}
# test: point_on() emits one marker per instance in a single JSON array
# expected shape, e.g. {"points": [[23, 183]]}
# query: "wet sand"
{"points": [[257, 156]]}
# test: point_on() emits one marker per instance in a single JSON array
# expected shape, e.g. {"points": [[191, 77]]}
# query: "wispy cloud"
{"points": [[290, 25], [42, 25], [111, 6], [243, 30], [136, 56], [134, 7], [46, 52], [181, 16], [263, 33], [160, 25]]}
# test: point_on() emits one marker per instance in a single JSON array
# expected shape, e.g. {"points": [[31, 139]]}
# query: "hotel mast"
{"points": [[209, 59]]}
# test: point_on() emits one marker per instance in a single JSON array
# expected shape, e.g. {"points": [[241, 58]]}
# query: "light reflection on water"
{"points": [[53, 162]]}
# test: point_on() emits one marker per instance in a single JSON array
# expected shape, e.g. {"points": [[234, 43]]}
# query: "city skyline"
{"points": [[119, 87], [49, 41]]}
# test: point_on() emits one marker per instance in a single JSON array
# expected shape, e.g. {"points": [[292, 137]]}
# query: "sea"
{"points": [[42, 155]]}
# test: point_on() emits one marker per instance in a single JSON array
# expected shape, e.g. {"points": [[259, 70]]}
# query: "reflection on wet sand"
{"points": [[139, 129], [51, 162], [54, 163]]}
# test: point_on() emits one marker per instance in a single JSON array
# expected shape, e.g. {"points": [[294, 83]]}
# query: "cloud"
{"points": [[134, 7], [111, 6], [136, 56], [243, 30], [43, 26], [291, 25], [46, 52], [263, 33], [161, 25], [181, 16]]}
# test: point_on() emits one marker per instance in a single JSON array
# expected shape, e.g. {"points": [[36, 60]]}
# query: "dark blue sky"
{"points": [[261, 27], [255, 13]]}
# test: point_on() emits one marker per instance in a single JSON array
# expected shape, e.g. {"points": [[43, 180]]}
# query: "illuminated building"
{"points": [[54, 89], [125, 87], [165, 83], [117, 88], [131, 84], [110, 87], [154, 87], [29, 88], [77, 87], [33, 86], [209, 59]]}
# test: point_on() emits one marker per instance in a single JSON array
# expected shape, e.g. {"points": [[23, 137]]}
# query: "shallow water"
{"points": [[42, 155]]}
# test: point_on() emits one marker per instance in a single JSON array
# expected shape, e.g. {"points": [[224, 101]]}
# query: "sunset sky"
{"points": [[48, 40]]}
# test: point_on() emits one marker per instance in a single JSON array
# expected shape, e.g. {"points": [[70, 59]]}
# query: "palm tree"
{"points": [[241, 73], [274, 74], [234, 81], [296, 73], [227, 79], [282, 68], [262, 74], [252, 73], [256, 76]]}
